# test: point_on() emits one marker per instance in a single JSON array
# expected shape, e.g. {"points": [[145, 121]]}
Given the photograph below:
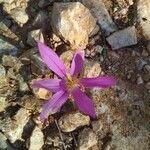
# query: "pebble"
{"points": [[2, 76], [42, 93], [143, 12], [20, 15], [5, 24], [139, 80], [147, 85], [7, 1], [3, 103], [2, 72], [146, 68], [73, 22], [123, 38], [6, 47], [3, 142], [67, 57], [16, 126], [99, 11], [144, 53], [37, 139], [91, 69], [9, 61], [33, 37], [72, 121], [87, 139]]}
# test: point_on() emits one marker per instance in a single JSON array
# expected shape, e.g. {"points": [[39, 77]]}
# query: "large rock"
{"points": [[72, 121], [73, 22], [99, 11], [143, 12], [123, 38]]}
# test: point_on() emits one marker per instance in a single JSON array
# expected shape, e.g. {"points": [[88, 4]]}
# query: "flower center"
{"points": [[71, 82]]}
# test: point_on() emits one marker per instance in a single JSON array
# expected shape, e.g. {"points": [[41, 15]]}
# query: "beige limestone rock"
{"points": [[70, 122], [73, 22], [37, 139], [143, 12], [87, 139]]}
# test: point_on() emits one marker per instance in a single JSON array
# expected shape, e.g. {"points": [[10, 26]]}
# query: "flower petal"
{"points": [[103, 82], [54, 104], [53, 85], [83, 102], [52, 60], [77, 62]]}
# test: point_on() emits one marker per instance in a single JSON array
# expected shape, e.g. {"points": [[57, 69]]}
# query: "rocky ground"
{"points": [[115, 35]]}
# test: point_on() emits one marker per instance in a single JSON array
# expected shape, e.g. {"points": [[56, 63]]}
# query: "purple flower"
{"points": [[69, 84]]}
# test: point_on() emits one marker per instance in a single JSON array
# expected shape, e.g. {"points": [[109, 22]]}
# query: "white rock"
{"points": [[3, 141], [91, 69], [87, 139], [20, 15], [143, 12], [6, 1], [73, 22], [3, 103], [99, 11], [70, 122], [123, 38], [15, 130], [36, 140]]}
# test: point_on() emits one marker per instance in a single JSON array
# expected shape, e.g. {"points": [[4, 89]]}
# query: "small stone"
{"points": [[67, 57], [41, 19], [99, 11], [42, 93], [147, 86], [87, 139], [37, 139], [9, 61], [97, 126], [146, 68], [91, 69], [33, 37], [139, 80], [143, 12], [3, 142], [73, 22], [123, 38], [2, 76], [146, 77], [2, 72], [6, 47], [144, 53], [70, 122], [6, 1], [23, 86], [20, 15], [3, 103], [15, 129], [5, 24]]}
